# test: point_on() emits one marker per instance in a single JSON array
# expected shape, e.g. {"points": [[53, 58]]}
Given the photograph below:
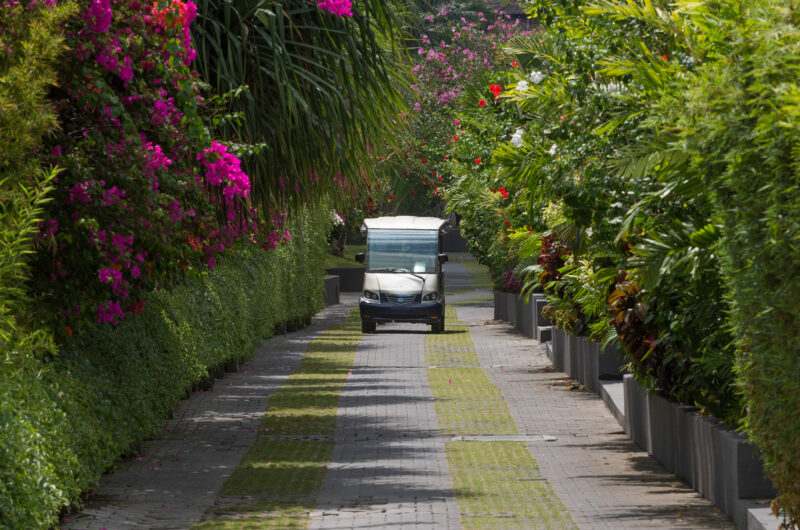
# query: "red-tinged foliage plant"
{"points": [[551, 258]]}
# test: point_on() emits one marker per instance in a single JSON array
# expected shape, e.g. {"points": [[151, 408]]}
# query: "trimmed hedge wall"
{"points": [[66, 420]]}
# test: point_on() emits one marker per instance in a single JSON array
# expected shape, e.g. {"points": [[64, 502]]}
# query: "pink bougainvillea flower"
{"points": [[339, 8], [482, 103], [99, 16], [456, 122]]}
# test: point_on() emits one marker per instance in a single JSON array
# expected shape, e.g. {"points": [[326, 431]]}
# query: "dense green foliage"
{"points": [[30, 41], [654, 156], [66, 420]]}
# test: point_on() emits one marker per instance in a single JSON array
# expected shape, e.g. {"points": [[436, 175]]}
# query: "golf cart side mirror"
{"points": [[442, 258], [360, 257]]}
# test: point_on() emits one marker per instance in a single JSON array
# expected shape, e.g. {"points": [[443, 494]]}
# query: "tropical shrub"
{"points": [[667, 136], [66, 420]]}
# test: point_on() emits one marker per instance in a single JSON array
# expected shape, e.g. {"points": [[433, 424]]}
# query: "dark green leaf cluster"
{"points": [[321, 91]]}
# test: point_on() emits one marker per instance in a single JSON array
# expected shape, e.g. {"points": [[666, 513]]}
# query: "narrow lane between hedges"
{"points": [[469, 428]]}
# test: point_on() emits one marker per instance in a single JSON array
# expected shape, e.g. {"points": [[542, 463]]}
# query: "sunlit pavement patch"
{"points": [[276, 482], [495, 478]]}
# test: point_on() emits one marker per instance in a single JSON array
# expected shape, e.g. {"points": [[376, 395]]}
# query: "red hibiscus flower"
{"points": [[503, 192], [482, 103], [478, 160]]}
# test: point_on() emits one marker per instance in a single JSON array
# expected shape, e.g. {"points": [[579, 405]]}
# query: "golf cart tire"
{"points": [[367, 327]]}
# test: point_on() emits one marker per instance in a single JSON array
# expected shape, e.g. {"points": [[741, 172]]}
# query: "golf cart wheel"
{"points": [[367, 327], [437, 327]]}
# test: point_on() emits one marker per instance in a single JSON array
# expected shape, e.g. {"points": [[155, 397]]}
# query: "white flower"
{"points": [[516, 138], [537, 77], [553, 149], [522, 86], [336, 218]]}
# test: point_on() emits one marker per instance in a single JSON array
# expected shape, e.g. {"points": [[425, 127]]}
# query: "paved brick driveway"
{"points": [[389, 468]]}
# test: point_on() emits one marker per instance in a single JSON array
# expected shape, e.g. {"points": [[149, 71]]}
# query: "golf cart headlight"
{"points": [[369, 295], [430, 296]]}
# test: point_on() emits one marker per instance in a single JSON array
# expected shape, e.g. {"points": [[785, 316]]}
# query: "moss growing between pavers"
{"points": [[308, 401], [479, 273], [275, 515], [280, 468], [276, 482], [498, 485], [466, 401]]}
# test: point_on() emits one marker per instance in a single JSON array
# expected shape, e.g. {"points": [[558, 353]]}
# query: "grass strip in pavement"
{"points": [[466, 401], [276, 482], [496, 484], [479, 273]]}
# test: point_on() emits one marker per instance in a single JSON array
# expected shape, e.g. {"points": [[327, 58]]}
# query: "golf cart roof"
{"points": [[405, 222]]}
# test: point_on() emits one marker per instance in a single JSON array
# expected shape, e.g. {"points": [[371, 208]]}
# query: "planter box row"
{"points": [[713, 459], [577, 356], [584, 360], [716, 461], [525, 316]]}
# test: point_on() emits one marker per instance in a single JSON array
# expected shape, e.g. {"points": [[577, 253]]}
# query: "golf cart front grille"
{"points": [[400, 298]]}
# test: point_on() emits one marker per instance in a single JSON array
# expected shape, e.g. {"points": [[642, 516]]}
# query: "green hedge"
{"points": [[65, 421]]}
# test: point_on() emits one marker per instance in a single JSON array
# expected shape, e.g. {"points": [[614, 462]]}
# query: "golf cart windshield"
{"points": [[413, 251]]}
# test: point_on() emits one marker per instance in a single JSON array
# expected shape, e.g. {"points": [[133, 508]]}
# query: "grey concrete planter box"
{"points": [[662, 430], [558, 343], [591, 365], [636, 412], [331, 288], [525, 316], [609, 363], [351, 279], [544, 333], [571, 356], [499, 306], [540, 301], [511, 303]]}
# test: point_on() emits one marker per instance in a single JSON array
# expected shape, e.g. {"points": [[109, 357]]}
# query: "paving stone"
{"points": [[603, 478], [180, 473], [388, 467]]}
